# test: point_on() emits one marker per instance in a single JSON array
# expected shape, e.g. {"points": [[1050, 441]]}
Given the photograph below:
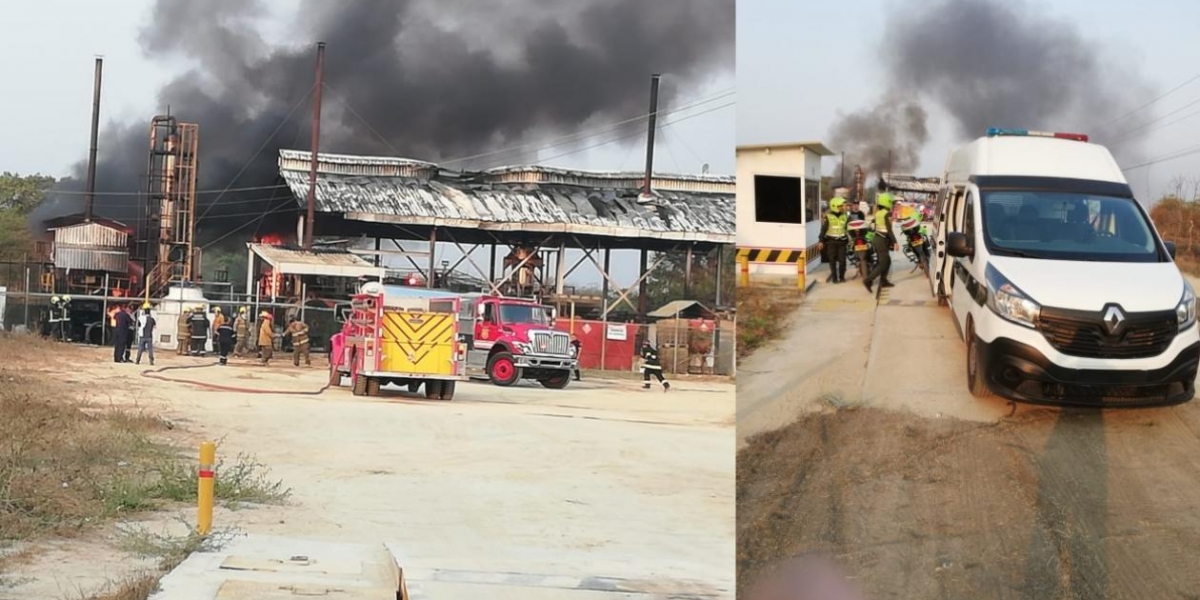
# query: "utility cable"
{"points": [[1171, 91]]}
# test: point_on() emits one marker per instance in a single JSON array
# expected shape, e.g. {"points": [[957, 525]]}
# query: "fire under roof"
{"points": [[516, 201], [324, 262]]}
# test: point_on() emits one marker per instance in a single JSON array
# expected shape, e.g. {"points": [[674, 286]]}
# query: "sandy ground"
{"points": [[880, 457], [599, 480]]}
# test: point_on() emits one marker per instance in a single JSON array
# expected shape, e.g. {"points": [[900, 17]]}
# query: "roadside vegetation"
{"points": [[1177, 218], [71, 464], [762, 314]]}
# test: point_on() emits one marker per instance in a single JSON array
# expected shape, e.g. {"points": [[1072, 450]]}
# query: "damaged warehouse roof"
{"points": [[911, 183], [535, 199]]}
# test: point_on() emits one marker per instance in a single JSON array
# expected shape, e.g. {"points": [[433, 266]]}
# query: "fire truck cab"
{"points": [[514, 339]]}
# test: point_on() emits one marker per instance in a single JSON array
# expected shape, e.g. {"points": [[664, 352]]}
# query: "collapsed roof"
{"points": [[530, 200]]}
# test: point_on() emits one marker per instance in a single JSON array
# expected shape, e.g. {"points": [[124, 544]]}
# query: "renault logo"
{"points": [[1114, 319]]}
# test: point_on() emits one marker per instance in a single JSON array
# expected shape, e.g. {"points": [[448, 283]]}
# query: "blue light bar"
{"points": [[995, 131]]}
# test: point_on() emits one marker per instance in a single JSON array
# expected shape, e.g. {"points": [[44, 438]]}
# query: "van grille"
{"points": [[547, 342], [1083, 334]]}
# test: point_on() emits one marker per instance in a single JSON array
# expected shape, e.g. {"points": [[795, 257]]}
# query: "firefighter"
{"points": [[218, 320], [298, 332], [145, 333], [652, 366], [121, 328], [576, 351], [834, 237], [199, 327], [241, 329], [266, 337], [183, 330], [225, 340], [884, 239], [54, 319]]}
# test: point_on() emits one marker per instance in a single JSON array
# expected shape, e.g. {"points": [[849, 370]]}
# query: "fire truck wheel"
{"points": [[447, 390], [372, 386], [359, 384], [414, 387], [433, 389], [557, 382], [502, 370]]}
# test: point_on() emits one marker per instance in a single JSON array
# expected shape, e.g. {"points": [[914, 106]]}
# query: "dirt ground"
{"points": [[921, 491], [598, 480]]}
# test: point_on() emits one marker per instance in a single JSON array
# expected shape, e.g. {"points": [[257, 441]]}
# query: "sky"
{"points": [[46, 76], [802, 65]]}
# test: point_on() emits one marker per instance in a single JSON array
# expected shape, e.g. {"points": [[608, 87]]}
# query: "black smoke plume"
{"points": [[428, 79], [989, 63]]}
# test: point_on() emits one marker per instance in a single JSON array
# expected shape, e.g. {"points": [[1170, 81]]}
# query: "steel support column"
{"points": [[641, 307], [687, 274], [559, 277], [432, 258], [720, 267]]}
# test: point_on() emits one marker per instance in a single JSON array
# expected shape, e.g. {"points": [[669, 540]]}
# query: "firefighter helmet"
{"points": [[217, 309], [55, 299], [66, 298], [145, 305]]}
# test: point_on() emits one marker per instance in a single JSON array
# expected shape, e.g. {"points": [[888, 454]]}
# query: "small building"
{"points": [[779, 208], [87, 253]]}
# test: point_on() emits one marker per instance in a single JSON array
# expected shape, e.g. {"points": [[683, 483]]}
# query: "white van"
{"points": [[1056, 277]]}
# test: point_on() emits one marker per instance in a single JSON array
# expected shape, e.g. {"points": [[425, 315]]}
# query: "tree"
{"points": [[21, 193], [666, 283]]}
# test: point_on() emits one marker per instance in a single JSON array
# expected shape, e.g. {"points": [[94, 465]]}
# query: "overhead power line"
{"points": [[1172, 156], [1169, 92]]}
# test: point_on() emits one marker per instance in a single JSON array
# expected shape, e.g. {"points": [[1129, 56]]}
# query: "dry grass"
{"points": [[67, 465], [762, 315]]}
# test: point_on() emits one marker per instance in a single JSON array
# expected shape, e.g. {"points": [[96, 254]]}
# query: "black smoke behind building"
{"points": [[988, 63], [435, 80]]}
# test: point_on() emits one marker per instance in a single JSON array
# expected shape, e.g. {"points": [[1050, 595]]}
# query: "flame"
{"points": [[273, 239]]}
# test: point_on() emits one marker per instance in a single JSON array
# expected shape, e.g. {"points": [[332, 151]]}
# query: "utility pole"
{"points": [[91, 170], [842, 177], [316, 144]]}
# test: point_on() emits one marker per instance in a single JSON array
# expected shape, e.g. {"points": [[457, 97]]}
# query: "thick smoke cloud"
{"points": [[435, 79], [988, 63]]}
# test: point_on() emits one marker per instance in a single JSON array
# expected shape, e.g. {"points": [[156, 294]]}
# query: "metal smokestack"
{"points": [[650, 134], [91, 169], [316, 144]]}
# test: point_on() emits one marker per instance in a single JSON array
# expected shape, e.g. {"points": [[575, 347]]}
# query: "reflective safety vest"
{"points": [[837, 224], [881, 220]]}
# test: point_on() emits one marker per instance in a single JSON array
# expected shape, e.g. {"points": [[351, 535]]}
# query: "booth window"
{"points": [[777, 199]]}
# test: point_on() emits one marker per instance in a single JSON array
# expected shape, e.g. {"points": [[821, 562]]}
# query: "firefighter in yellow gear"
{"points": [[183, 331], [241, 327], [266, 337], [300, 342]]}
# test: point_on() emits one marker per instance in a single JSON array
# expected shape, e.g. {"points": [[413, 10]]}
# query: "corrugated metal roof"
{"points": [[535, 199], [295, 261], [91, 258], [911, 183], [670, 309]]}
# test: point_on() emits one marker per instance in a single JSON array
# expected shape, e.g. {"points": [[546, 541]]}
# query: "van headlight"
{"points": [[1185, 313], [1008, 301]]}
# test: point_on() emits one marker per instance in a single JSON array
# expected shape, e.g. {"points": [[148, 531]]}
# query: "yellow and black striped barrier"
{"points": [[745, 256]]}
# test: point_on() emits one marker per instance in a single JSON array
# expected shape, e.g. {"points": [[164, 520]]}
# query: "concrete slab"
{"points": [[269, 567]]}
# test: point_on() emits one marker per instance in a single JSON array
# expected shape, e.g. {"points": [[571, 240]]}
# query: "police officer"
{"points": [[241, 329], [298, 332], [122, 327], [199, 326], [652, 366], [884, 240], [834, 237]]}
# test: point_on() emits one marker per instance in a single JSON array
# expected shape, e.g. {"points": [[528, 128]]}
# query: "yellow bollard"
{"points": [[208, 459], [800, 265], [744, 265]]}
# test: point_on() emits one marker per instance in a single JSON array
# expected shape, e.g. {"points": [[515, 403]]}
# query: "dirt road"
{"points": [[600, 482], [924, 492]]}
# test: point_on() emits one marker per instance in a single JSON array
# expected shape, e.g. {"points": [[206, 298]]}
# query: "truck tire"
{"points": [[414, 387], [373, 384], [448, 390], [433, 389], [977, 369], [503, 370], [557, 382], [359, 384]]}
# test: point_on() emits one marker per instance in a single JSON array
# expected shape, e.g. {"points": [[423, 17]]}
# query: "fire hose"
{"points": [[157, 374]]}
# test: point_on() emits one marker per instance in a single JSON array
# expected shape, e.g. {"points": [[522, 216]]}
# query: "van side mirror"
{"points": [[957, 245], [1170, 249]]}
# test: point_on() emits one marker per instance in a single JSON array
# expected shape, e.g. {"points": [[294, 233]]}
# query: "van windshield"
{"points": [[1067, 226], [523, 313]]}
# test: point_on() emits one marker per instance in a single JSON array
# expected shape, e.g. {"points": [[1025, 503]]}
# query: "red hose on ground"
{"points": [[156, 374]]}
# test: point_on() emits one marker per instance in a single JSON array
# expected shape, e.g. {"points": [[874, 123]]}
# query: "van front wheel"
{"points": [[977, 369]]}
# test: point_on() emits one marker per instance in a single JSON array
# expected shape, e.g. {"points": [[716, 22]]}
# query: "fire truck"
{"points": [[507, 339], [402, 340]]}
